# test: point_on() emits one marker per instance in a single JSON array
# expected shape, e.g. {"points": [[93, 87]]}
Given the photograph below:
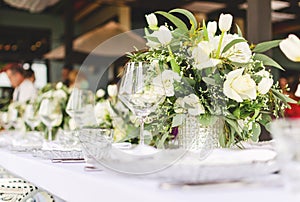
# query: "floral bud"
{"points": [[290, 47], [225, 22], [152, 21]]}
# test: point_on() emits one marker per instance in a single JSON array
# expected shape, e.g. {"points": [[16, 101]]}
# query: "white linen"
{"points": [[70, 182]]}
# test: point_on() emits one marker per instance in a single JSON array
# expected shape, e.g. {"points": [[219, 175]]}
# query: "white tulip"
{"points": [[264, 85], [112, 90], [212, 27], [291, 47], [100, 93], [239, 87], [152, 21], [164, 83], [263, 73], [225, 21], [164, 35]]}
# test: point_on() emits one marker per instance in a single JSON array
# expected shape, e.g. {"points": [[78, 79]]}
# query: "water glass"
{"points": [[286, 133], [96, 143]]}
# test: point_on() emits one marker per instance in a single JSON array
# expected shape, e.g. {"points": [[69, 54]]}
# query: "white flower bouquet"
{"points": [[209, 75]]}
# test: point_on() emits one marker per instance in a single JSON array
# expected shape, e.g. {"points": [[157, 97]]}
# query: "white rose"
{"points": [[240, 52], [152, 21], [263, 73], [163, 84], [112, 90], [60, 94], [59, 85], [291, 47], [101, 111], [238, 86], [100, 93], [225, 21], [201, 55], [164, 35], [193, 104], [264, 85]]}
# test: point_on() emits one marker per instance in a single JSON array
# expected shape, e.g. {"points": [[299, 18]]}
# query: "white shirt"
{"points": [[25, 91]]}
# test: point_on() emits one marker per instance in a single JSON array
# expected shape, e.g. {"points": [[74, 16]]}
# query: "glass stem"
{"points": [[49, 133], [142, 138]]}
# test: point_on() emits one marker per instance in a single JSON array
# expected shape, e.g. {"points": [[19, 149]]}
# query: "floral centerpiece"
{"points": [[209, 75]]}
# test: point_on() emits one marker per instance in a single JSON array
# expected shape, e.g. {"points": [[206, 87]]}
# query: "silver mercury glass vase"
{"points": [[192, 135]]}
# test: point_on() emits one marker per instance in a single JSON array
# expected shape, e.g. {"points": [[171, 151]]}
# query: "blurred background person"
{"points": [[65, 71], [78, 79], [289, 87], [24, 89]]}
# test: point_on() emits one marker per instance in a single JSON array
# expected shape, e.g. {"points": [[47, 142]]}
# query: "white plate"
{"points": [[183, 166]]}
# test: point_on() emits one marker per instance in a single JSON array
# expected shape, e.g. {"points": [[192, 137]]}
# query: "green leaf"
{"points": [[175, 66], [209, 81], [256, 132], [264, 46], [160, 144], [177, 120], [189, 15], [232, 43], [175, 20], [239, 31], [207, 119], [283, 97], [152, 38], [237, 112], [233, 125], [267, 61], [205, 33]]}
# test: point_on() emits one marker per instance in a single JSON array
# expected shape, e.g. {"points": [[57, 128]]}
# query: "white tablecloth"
{"points": [[70, 182]]}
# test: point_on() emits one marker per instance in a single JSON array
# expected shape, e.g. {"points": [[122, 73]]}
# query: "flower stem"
{"points": [[220, 44]]}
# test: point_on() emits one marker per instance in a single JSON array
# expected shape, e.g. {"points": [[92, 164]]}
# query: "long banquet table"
{"points": [[71, 182]]}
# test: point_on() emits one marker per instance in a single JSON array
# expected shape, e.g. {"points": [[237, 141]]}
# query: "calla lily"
{"points": [[225, 22], [291, 47], [152, 21]]}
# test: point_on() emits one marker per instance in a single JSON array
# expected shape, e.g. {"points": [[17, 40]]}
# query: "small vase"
{"points": [[192, 135]]}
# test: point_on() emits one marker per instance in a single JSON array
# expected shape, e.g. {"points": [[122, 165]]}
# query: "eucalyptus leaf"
{"points": [[175, 20], [189, 15], [232, 43], [267, 61], [209, 81], [264, 46], [256, 131]]}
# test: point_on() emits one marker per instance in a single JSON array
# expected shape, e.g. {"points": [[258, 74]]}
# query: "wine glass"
{"points": [[50, 114], [141, 90], [31, 116], [79, 107]]}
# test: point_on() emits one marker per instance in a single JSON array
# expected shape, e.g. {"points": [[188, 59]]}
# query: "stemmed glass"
{"points": [[31, 116], [141, 90], [79, 107], [50, 114]]}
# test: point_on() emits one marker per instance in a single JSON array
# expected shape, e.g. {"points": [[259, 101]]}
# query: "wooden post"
{"points": [[259, 23], [69, 31]]}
